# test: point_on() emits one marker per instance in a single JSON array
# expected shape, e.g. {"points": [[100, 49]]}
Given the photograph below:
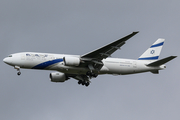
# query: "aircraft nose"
{"points": [[4, 60], [7, 61]]}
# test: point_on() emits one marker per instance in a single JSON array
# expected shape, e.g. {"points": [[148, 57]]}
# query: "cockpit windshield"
{"points": [[10, 56]]}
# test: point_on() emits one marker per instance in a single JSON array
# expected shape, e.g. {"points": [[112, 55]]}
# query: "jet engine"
{"points": [[71, 61], [58, 77]]}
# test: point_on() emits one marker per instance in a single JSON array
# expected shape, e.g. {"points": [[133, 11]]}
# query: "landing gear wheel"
{"points": [[19, 73], [79, 82], [94, 75], [91, 74], [88, 73], [87, 84], [83, 83]]}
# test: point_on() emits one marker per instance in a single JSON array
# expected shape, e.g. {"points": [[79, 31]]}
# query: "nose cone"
{"points": [[7, 61]]}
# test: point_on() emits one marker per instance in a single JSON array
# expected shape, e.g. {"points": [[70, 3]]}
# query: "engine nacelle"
{"points": [[71, 61], [57, 77]]}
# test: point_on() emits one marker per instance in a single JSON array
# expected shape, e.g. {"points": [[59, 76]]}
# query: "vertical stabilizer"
{"points": [[152, 53]]}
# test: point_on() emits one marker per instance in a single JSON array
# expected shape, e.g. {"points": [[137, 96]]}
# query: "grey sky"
{"points": [[78, 27]]}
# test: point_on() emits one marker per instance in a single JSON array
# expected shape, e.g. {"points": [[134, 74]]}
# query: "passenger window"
{"points": [[28, 55]]}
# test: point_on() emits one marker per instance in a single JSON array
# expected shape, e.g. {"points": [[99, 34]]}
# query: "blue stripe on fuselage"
{"points": [[157, 45], [46, 64]]}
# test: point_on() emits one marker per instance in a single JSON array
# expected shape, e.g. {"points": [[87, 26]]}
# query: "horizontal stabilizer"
{"points": [[162, 61], [155, 72]]}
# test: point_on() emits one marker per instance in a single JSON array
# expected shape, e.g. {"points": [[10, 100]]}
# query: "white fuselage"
{"points": [[47, 61]]}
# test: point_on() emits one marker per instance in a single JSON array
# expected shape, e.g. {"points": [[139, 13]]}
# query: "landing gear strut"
{"points": [[18, 69], [91, 74]]}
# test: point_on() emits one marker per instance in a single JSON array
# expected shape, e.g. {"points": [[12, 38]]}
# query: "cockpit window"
{"points": [[10, 56]]}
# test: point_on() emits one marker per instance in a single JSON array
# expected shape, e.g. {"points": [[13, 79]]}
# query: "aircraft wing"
{"points": [[109, 49]]}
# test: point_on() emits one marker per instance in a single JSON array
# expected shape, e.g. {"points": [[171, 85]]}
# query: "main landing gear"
{"points": [[18, 69], [91, 74], [85, 80], [86, 83]]}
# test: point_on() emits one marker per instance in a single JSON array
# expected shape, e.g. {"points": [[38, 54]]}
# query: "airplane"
{"points": [[90, 65]]}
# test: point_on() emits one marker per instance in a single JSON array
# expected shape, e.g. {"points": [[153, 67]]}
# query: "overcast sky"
{"points": [[78, 27]]}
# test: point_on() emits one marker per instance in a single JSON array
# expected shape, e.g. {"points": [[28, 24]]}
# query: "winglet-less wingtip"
{"points": [[136, 32]]}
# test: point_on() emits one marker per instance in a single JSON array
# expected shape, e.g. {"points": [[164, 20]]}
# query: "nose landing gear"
{"points": [[18, 69], [19, 73]]}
